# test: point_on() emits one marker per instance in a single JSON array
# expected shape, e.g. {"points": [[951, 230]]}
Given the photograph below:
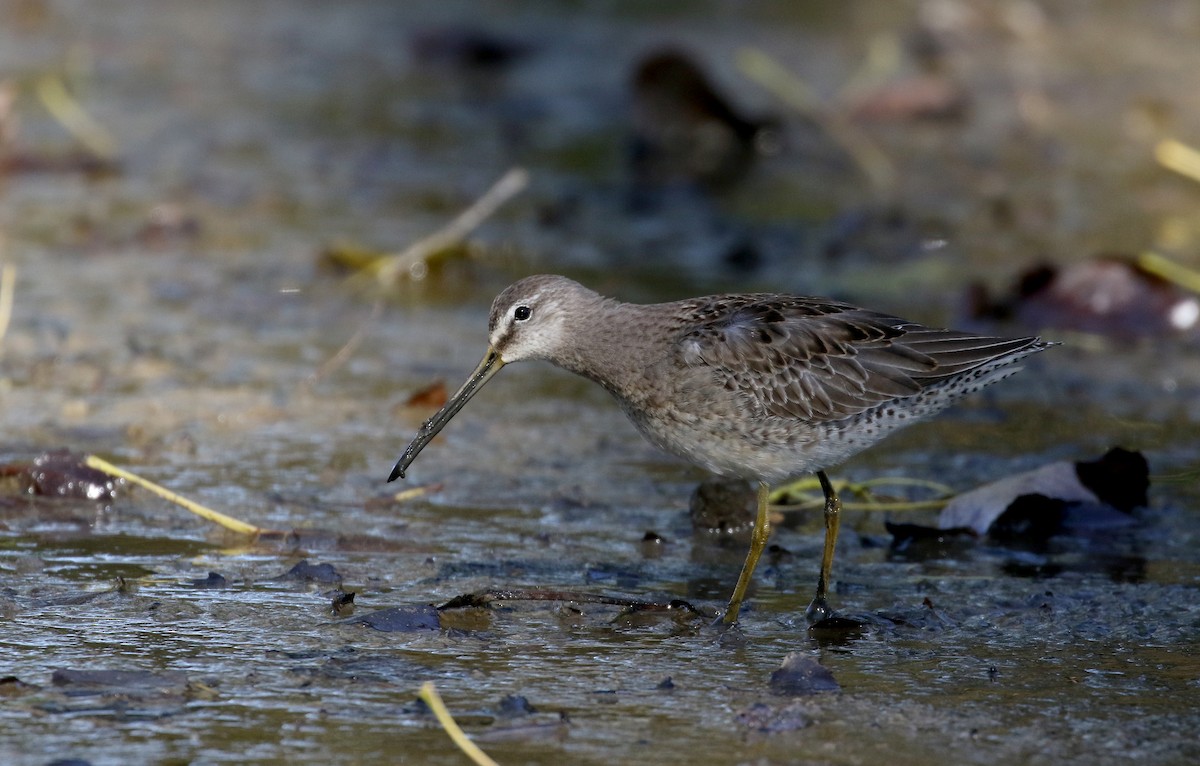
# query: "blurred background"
{"points": [[246, 247]]}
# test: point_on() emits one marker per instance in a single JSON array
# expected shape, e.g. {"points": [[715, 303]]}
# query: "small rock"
{"points": [[800, 674]]}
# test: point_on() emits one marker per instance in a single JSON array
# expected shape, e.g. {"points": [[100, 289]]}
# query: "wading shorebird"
{"points": [[757, 386]]}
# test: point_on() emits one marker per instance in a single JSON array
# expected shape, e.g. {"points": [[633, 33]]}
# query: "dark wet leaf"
{"points": [[1074, 497], [306, 572], [800, 674], [125, 682], [61, 473], [402, 619], [1027, 518], [514, 706], [1121, 478], [214, 580], [432, 396]]}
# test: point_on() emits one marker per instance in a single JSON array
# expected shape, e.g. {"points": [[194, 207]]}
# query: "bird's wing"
{"points": [[822, 360]]}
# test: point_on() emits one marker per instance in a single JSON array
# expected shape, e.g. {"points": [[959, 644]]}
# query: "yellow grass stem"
{"points": [[1178, 156], [413, 493], [1161, 266], [74, 118], [8, 285], [864, 490], [872, 162], [429, 694], [228, 522]]}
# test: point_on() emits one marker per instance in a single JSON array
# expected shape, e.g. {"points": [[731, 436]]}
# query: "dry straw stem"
{"points": [[412, 493], [74, 118], [413, 262], [1178, 156], [228, 522], [1161, 266], [429, 694], [798, 96], [8, 283]]}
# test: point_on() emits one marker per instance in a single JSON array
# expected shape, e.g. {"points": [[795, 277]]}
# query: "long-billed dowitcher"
{"points": [[757, 386]]}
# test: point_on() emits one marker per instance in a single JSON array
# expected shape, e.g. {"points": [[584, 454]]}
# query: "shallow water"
{"points": [[186, 352]]}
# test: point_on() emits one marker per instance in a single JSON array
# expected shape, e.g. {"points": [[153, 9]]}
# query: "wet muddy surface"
{"points": [[175, 312]]}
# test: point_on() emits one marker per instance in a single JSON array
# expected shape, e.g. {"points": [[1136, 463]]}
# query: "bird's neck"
{"points": [[611, 339]]}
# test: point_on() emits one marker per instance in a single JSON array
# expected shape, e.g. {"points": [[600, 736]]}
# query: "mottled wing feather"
{"points": [[822, 360]]}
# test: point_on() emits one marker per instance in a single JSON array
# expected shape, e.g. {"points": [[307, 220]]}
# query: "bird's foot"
{"points": [[818, 610]]}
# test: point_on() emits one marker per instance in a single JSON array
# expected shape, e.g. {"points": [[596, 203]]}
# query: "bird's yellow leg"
{"points": [[819, 608], [758, 542]]}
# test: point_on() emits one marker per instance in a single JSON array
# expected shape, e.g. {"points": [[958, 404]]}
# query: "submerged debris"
{"points": [[1110, 295], [723, 505], [684, 130], [61, 473]]}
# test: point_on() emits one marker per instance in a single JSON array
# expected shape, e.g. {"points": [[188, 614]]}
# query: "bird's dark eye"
{"points": [[521, 313]]}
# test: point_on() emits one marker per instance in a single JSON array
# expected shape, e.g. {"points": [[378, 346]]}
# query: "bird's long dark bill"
{"points": [[490, 365]]}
